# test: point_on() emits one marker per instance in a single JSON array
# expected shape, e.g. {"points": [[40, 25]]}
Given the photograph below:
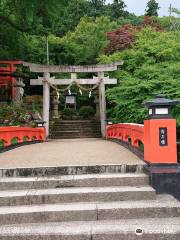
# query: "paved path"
{"points": [[68, 153]]}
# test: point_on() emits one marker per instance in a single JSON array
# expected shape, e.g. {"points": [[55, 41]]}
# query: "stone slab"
{"points": [[138, 209], [44, 196], [48, 213], [69, 170], [161, 208], [86, 180], [64, 153], [153, 229]]}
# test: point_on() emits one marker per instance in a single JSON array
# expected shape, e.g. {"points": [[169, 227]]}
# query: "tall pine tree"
{"points": [[117, 9], [152, 8]]}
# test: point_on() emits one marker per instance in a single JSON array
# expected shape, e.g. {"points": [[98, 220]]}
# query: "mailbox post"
{"points": [[160, 132]]}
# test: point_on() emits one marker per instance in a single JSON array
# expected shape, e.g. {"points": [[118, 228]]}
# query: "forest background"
{"points": [[92, 32]]}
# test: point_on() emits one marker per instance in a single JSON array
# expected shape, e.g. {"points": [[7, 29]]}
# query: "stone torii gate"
{"points": [[47, 80]]}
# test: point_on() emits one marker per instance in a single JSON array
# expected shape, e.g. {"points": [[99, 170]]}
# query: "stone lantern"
{"points": [[18, 91], [55, 105]]}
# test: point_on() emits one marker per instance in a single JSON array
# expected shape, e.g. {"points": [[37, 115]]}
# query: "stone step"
{"points": [[152, 229], [63, 136], [77, 128], [75, 121], [75, 125], [87, 180], [75, 131], [89, 211], [52, 136], [70, 170], [76, 135], [83, 194]]}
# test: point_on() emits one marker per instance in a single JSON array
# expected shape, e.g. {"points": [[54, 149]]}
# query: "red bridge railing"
{"points": [[18, 135], [130, 135], [130, 132], [147, 140]]}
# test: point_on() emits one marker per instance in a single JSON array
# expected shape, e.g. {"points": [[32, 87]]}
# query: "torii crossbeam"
{"points": [[46, 80]]}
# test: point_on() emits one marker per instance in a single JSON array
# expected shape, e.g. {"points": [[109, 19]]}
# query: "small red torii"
{"points": [[7, 80]]}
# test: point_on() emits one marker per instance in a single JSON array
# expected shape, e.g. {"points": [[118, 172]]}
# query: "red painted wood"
{"points": [[124, 131], [7, 68], [148, 134], [9, 133], [153, 152]]}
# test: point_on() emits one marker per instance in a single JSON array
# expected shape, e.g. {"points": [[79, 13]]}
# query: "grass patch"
{"points": [[25, 139], [33, 138], [14, 141], [1, 143], [141, 146]]}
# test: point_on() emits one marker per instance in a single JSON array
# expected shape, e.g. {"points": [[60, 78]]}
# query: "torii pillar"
{"points": [[102, 103], [46, 101]]}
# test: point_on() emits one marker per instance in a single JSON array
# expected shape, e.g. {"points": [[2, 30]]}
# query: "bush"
{"points": [[69, 113], [86, 112], [12, 115]]}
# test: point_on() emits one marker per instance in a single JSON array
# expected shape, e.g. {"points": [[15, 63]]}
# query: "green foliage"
{"points": [[176, 11], [86, 112], [24, 25], [1, 143], [149, 68], [77, 32], [12, 115], [84, 45], [116, 9], [75, 10], [14, 141], [130, 19], [152, 8], [69, 113], [169, 23]]}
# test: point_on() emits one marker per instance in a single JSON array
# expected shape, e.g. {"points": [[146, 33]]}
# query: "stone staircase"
{"points": [[117, 206], [66, 129]]}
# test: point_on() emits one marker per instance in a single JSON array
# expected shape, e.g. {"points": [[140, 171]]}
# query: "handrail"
{"points": [[146, 140], [21, 134], [126, 132]]}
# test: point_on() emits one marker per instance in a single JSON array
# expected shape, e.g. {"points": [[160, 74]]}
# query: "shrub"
{"points": [[12, 115], [69, 113], [86, 112], [1, 143]]}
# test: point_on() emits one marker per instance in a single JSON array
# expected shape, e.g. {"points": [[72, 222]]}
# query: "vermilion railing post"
{"points": [[156, 152], [160, 132]]}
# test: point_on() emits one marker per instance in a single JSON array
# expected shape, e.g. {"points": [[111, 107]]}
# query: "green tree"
{"points": [[84, 45], [152, 8], [152, 66], [31, 16], [116, 9], [74, 11]]}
